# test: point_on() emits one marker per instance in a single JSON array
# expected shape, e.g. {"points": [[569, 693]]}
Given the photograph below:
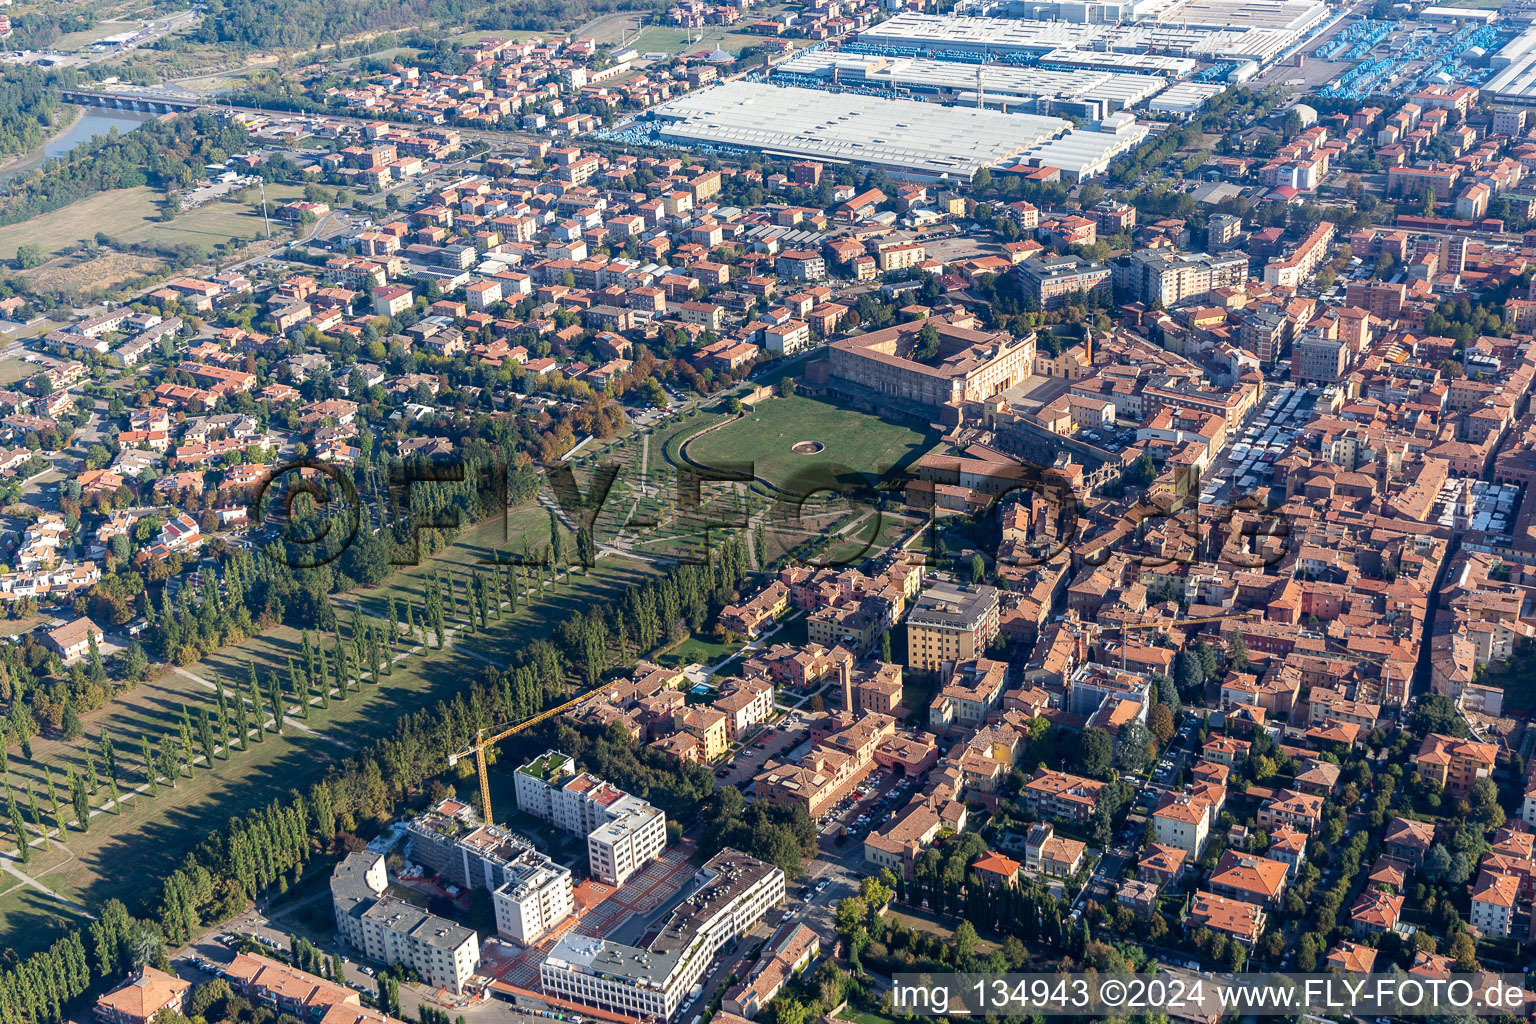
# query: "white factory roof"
{"points": [[1290, 15], [1213, 29], [995, 35], [1258, 44], [1082, 155], [1141, 63], [904, 136], [996, 80], [1515, 78], [1516, 83], [1186, 98]]}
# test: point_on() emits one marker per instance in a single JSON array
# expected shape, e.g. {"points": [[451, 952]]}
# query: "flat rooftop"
{"points": [[904, 136], [996, 80], [732, 873]]}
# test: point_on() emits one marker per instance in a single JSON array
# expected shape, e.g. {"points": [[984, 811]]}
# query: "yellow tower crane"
{"points": [[485, 738]]}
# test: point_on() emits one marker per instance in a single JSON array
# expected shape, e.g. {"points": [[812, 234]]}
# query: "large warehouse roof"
{"points": [[996, 80], [904, 136], [991, 35], [1212, 29]]}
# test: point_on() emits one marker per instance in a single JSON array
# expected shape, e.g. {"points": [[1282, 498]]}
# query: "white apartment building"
{"points": [[1493, 903], [732, 894], [445, 954], [393, 931], [356, 884], [635, 835], [531, 893], [534, 899], [624, 833]]}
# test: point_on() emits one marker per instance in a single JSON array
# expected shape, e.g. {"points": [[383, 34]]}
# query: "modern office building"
{"points": [[732, 893]]}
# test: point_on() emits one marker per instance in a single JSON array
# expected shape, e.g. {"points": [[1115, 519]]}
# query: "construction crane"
{"points": [[490, 737]]}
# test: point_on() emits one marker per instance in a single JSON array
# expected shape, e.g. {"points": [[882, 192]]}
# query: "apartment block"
{"points": [[1183, 821], [624, 833], [950, 622], [531, 893], [1053, 794], [396, 932], [1053, 280], [1150, 275], [974, 690], [1291, 271]]}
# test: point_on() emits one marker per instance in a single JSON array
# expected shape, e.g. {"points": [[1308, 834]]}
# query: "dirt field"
{"points": [[79, 275]]}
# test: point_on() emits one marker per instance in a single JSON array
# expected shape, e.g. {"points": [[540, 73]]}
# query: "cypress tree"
{"points": [[80, 800], [92, 772], [108, 755], [53, 798], [300, 691], [254, 695], [242, 724], [275, 695], [205, 734], [151, 775], [19, 827], [184, 735], [36, 812]]}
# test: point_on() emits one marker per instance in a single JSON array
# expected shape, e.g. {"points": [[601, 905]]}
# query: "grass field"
{"points": [[697, 649], [13, 370], [853, 441], [70, 41], [129, 215], [662, 39], [124, 855]]}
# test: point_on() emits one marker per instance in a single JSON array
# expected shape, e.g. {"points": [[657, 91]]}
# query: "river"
{"points": [[94, 122]]}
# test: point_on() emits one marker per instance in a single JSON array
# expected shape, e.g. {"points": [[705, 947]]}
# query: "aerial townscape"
{"points": [[691, 512]]}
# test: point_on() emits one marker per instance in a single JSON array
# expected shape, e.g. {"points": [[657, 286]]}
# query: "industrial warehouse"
{"points": [[1212, 30], [901, 136], [1085, 94], [1011, 83]]}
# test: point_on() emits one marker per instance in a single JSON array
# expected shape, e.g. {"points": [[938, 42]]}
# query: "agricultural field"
{"points": [[122, 854]]}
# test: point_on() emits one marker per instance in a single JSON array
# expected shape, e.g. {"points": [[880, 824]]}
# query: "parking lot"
{"points": [[783, 737], [870, 805]]}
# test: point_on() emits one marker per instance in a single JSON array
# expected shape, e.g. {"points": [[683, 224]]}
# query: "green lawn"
{"points": [[124, 855], [13, 370], [697, 649], [664, 39], [854, 441], [82, 38], [130, 215]]}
